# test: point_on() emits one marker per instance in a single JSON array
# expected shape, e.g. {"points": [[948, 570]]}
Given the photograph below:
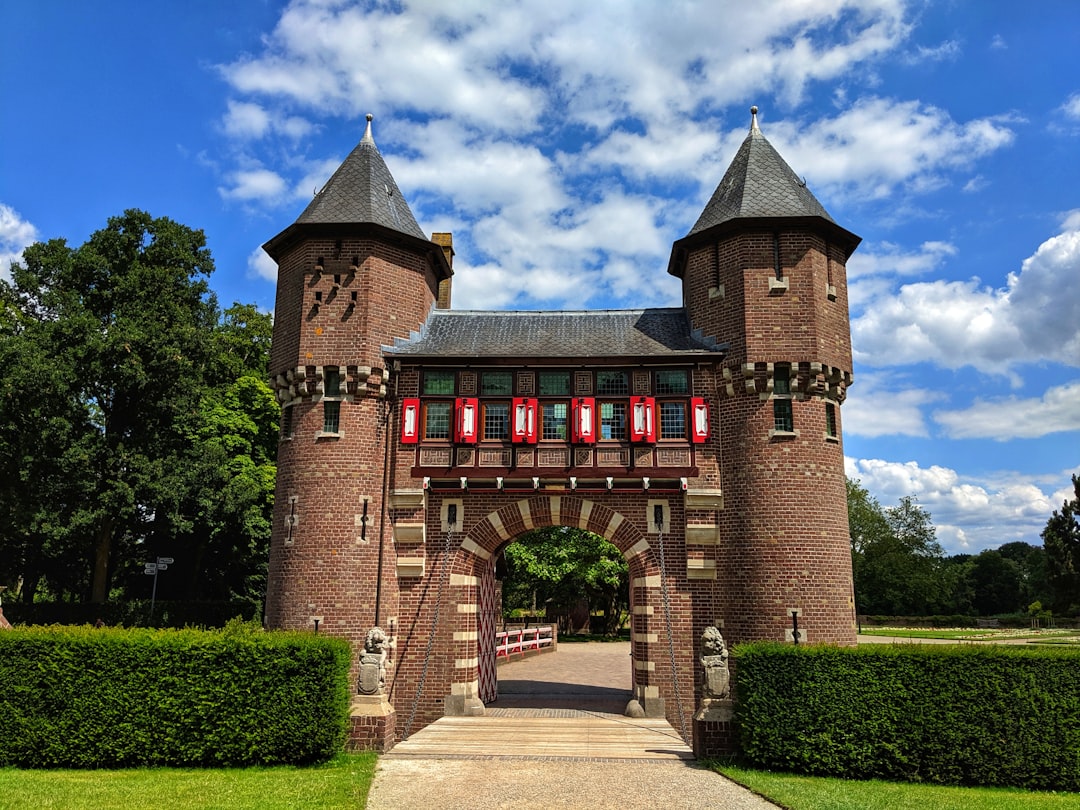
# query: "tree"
{"points": [[136, 418], [559, 566], [996, 584], [896, 559], [1061, 541]]}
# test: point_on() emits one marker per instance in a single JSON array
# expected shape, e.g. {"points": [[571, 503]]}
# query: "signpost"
{"points": [[152, 568]]}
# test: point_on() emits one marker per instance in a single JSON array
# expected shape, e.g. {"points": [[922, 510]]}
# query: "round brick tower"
{"points": [[354, 272], [763, 271]]}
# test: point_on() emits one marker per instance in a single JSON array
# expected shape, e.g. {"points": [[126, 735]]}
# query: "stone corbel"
{"points": [[748, 378]]}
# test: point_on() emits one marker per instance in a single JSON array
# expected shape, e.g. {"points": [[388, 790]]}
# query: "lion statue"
{"points": [[714, 657], [373, 662]]}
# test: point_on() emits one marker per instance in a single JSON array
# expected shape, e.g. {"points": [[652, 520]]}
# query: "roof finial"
{"points": [[367, 132], [753, 118]]}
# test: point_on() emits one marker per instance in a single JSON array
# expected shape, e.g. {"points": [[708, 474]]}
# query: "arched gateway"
{"points": [[418, 441]]}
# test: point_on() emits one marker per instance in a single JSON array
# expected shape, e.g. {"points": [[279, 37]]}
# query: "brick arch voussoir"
{"points": [[503, 525]]}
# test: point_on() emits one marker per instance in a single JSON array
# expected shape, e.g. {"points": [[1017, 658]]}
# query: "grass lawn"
{"points": [[344, 783], [971, 634], [819, 793], [341, 783]]}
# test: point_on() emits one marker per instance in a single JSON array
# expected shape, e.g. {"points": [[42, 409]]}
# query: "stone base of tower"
{"points": [[464, 701], [714, 729], [372, 724]]}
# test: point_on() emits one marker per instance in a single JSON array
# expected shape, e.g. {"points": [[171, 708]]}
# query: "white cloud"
{"points": [[260, 265], [1071, 107], [1036, 317], [878, 146], [969, 514], [247, 120], [16, 234], [254, 184], [887, 258], [1056, 411], [874, 407], [949, 50]]}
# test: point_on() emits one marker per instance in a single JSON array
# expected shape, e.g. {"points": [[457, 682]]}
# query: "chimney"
{"points": [[446, 242]]}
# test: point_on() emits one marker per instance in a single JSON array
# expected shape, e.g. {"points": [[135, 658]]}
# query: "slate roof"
{"points": [[362, 190], [759, 184], [584, 334]]}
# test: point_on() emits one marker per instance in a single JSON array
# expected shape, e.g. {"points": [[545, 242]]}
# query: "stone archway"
{"points": [[499, 526]]}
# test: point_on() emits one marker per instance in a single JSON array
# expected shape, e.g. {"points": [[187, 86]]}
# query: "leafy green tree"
{"points": [[996, 583], [1031, 563], [136, 417], [559, 566], [1061, 541], [896, 559]]}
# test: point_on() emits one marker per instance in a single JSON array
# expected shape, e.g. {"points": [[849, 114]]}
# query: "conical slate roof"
{"points": [[758, 184], [362, 191]]}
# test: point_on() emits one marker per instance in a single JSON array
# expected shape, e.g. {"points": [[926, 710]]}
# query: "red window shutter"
{"points": [[410, 420], [466, 412], [642, 419], [523, 424], [699, 420], [583, 430]]}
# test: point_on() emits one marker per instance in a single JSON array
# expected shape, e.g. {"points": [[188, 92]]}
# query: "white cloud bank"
{"points": [[969, 514], [1034, 318]]}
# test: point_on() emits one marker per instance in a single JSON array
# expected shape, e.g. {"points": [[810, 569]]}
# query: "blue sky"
{"points": [[566, 145]]}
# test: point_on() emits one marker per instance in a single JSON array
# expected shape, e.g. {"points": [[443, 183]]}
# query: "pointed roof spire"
{"points": [[759, 184], [362, 191]]}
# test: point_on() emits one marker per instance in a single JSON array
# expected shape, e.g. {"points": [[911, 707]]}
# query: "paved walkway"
{"points": [[555, 738]]}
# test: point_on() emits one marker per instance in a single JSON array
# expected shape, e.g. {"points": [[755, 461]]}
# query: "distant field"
{"points": [[978, 634]]}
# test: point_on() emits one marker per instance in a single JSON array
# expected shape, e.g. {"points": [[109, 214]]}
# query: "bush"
{"points": [[964, 715], [97, 698]]}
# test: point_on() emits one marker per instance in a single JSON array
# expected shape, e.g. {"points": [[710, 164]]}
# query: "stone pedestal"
{"points": [[463, 701], [714, 728], [372, 724]]}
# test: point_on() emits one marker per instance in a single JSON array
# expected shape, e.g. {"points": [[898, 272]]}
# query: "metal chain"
{"points": [[671, 639], [431, 636]]}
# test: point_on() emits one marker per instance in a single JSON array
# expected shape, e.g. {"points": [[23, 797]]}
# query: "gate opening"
{"points": [[556, 623]]}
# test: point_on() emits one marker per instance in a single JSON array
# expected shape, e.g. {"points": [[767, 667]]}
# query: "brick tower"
{"points": [[354, 272], [763, 272]]}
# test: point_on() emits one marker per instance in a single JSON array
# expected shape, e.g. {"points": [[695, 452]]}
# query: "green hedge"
{"points": [[949, 714], [134, 613], [105, 698]]}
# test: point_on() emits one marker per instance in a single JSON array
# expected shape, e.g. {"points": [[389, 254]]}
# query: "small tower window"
{"points": [[331, 382], [331, 405], [782, 380], [331, 416], [830, 420], [783, 421]]}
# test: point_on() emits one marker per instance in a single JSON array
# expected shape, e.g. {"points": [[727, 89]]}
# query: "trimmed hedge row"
{"points": [[105, 698], [134, 613], [949, 714]]}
